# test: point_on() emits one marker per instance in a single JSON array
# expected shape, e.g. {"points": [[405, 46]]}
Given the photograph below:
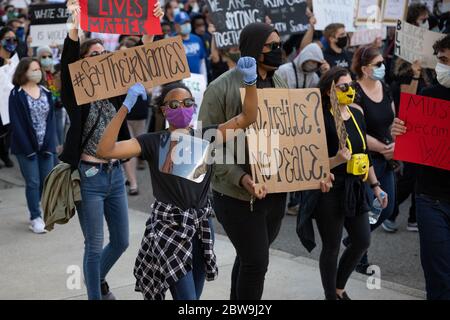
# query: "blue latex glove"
{"points": [[247, 67], [133, 93]]}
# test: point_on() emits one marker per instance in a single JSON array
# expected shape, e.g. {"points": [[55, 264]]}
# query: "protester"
{"points": [[102, 183], [8, 46], [52, 81], [346, 204], [373, 97], [252, 224], [33, 134], [171, 9], [432, 195], [177, 248], [193, 45], [337, 39]]}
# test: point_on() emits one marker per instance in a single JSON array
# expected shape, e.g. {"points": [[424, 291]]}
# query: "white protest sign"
{"points": [[334, 11], [6, 75], [428, 3], [20, 4], [197, 84], [363, 36], [48, 34], [394, 10], [368, 13], [415, 43]]}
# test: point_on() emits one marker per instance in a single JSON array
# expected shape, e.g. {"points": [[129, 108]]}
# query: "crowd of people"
{"points": [[105, 142]]}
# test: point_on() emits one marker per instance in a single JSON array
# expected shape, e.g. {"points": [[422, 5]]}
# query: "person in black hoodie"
{"points": [[433, 194], [102, 183]]}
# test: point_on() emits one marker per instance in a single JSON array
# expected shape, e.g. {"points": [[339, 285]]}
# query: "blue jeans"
{"points": [[433, 220], [103, 197], [385, 176], [34, 170], [190, 287], [59, 113]]}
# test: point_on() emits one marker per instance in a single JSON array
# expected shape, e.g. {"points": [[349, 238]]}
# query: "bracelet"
{"points": [[374, 185], [416, 78]]}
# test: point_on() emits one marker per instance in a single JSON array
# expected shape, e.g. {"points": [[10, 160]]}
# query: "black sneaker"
{"points": [[106, 294], [343, 297]]}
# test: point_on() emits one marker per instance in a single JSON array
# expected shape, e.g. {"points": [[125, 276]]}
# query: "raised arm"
{"points": [[108, 147], [159, 13], [247, 66]]}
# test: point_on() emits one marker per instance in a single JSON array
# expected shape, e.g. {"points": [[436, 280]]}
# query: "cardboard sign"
{"points": [[287, 144], [197, 84], [334, 11], [368, 13], [231, 16], [133, 17], [362, 36], [111, 75], [415, 43], [394, 10], [6, 75], [427, 140]]}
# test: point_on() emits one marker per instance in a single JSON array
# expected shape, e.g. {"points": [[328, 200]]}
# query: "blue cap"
{"points": [[182, 18]]}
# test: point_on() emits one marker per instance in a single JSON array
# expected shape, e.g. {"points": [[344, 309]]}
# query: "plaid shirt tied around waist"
{"points": [[165, 255]]}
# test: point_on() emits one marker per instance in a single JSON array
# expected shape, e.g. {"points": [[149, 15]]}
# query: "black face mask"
{"points": [[342, 42], [273, 58]]}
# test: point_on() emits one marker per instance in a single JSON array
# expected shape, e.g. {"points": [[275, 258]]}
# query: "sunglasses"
{"points": [[10, 40], [175, 104], [344, 87], [47, 57], [96, 53], [378, 64], [273, 45]]}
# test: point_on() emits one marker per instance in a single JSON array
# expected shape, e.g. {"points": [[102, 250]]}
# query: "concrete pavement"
{"points": [[42, 266]]}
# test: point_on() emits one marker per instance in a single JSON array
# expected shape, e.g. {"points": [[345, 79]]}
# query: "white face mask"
{"points": [[34, 76], [425, 25], [443, 74]]}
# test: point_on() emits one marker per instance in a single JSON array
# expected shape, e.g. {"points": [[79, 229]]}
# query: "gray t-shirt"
{"points": [[107, 113]]}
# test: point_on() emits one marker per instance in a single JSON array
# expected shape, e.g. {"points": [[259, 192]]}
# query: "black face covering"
{"points": [[273, 58], [342, 42]]}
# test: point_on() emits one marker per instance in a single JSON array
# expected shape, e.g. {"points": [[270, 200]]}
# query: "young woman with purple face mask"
{"points": [[177, 248]]}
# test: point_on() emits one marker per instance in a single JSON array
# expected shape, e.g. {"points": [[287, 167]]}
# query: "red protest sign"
{"points": [[133, 17], [427, 140]]}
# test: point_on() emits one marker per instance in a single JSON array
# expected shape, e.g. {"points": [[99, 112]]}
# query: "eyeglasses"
{"points": [[273, 45], [378, 64], [175, 104], [96, 53], [344, 87]]}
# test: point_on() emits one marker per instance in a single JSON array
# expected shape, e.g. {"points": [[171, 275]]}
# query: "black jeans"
{"points": [[251, 233], [405, 186], [331, 221]]}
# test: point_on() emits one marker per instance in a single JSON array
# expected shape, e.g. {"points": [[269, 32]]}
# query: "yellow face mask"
{"points": [[346, 98]]}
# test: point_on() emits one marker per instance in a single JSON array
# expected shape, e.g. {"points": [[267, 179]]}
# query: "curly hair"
{"points": [[442, 44]]}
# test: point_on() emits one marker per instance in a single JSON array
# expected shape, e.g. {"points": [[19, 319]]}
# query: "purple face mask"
{"points": [[180, 117]]}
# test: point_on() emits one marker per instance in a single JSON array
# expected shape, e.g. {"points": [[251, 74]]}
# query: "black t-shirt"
{"points": [[353, 136], [378, 116], [140, 110], [342, 59], [169, 188], [432, 181]]}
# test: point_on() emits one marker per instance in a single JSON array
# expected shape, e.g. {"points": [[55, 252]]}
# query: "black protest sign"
{"points": [[111, 75], [54, 13], [231, 16]]}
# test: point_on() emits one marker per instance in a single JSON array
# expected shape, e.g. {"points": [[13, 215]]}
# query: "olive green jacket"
{"points": [[222, 102]]}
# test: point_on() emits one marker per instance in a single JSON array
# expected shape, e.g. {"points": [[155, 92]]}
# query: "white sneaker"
{"points": [[412, 226], [37, 225]]}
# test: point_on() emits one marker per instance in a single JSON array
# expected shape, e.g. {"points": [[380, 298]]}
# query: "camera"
{"points": [[358, 165]]}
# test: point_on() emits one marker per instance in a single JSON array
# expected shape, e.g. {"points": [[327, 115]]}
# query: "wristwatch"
{"points": [[376, 184]]}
